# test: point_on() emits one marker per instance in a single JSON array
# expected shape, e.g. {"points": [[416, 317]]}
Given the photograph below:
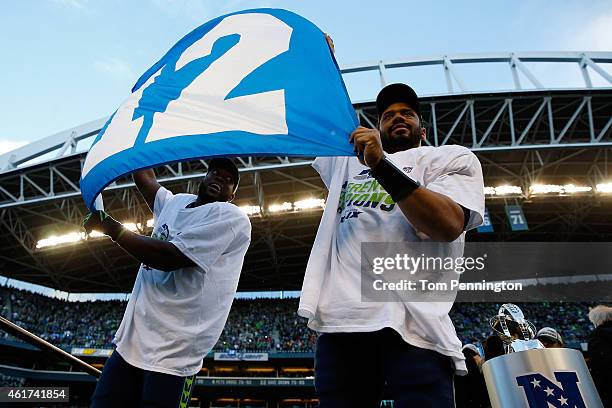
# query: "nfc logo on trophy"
{"points": [[543, 393]]}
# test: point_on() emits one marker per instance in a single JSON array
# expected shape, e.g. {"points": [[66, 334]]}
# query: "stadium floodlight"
{"points": [[507, 190], [280, 207], [571, 189], [605, 188], [150, 223], [131, 226], [545, 189], [69, 238], [60, 239], [558, 189], [309, 203], [489, 190], [503, 190], [250, 209]]}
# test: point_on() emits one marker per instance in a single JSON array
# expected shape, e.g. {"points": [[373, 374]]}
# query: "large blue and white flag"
{"points": [[258, 82]]}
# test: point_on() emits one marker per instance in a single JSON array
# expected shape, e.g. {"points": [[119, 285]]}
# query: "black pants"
{"points": [[352, 370], [123, 385]]}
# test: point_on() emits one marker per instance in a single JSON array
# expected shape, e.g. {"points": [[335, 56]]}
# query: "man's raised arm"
{"points": [[434, 214], [147, 185]]}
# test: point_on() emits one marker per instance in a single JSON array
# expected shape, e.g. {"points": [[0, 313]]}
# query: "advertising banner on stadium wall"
{"points": [[233, 356], [254, 382], [259, 82], [91, 352]]}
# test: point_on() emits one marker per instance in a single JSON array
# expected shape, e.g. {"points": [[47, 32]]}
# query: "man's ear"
{"points": [[423, 134]]}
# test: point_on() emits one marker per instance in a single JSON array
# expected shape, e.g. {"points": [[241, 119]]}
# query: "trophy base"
{"points": [[534, 378]]}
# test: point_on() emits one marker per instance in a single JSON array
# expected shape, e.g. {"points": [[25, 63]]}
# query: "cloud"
{"points": [[200, 10], [9, 145], [115, 67], [195, 8], [594, 36], [73, 4]]}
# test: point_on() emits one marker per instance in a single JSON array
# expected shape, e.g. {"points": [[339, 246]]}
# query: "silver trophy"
{"points": [[516, 332]]}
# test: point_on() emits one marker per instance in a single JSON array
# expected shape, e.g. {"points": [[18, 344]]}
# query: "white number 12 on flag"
{"points": [[202, 107]]}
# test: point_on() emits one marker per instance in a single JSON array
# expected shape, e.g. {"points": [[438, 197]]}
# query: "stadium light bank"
{"points": [[250, 210], [309, 204]]}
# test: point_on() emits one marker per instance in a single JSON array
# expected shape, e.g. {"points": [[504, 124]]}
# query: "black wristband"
{"points": [[393, 180]]}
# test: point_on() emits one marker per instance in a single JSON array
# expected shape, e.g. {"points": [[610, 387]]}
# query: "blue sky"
{"points": [[66, 62]]}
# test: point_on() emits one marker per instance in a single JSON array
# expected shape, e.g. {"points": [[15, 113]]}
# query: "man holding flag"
{"points": [[183, 291], [395, 190], [259, 83]]}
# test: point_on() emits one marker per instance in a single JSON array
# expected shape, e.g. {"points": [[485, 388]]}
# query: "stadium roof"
{"points": [[523, 138]]}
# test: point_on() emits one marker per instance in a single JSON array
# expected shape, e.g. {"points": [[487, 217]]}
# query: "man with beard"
{"points": [[395, 190], [183, 291]]}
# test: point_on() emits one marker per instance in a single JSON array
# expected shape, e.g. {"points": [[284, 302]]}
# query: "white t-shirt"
{"points": [[173, 319], [359, 210]]}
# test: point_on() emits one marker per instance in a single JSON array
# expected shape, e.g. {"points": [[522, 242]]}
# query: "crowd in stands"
{"points": [[87, 324], [272, 325], [254, 324], [7, 381], [570, 319], [265, 325]]}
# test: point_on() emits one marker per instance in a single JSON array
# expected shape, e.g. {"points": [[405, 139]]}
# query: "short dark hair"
{"points": [[227, 164]]}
